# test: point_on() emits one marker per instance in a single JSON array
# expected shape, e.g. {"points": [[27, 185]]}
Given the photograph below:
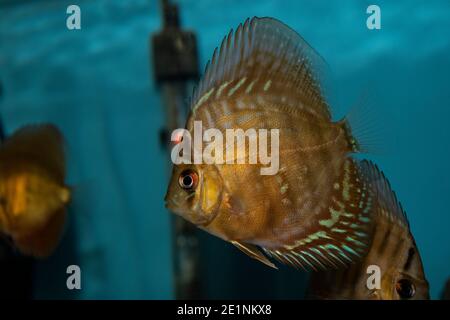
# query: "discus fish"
{"points": [[393, 250], [32, 191], [315, 212]]}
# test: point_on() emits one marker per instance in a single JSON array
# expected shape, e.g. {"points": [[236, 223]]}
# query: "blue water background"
{"points": [[96, 84]]}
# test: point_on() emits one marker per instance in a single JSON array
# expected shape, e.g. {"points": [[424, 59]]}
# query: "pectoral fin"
{"points": [[253, 252]]}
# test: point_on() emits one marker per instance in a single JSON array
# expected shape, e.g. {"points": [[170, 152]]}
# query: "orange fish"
{"points": [[32, 191], [315, 211], [393, 250]]}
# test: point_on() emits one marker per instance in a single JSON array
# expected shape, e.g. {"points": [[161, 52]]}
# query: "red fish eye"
{"points": [[188, 179]]}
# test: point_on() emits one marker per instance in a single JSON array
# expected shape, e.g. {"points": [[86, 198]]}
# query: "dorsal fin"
{"points": [[264, 52], [388, 204], [40, 143]]}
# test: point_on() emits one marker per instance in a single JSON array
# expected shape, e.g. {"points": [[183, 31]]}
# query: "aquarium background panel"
{"points": [[97, 85]]}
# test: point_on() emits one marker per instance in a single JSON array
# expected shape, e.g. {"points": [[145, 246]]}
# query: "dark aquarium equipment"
{"points": [[224, 150]]}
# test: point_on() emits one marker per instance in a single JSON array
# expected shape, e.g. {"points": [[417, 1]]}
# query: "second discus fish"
{"points": [[33, 196]]}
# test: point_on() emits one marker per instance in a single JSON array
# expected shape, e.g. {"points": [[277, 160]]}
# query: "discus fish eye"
{"points": [[188, 180], [405, 288]]}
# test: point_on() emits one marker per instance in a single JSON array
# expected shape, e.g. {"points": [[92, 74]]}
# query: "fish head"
{"points": [[411, 284], [403, 286], [195, 193], [401, 283], [409, 287]]}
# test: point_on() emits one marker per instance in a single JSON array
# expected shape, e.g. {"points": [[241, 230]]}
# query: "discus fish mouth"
{"points": [[171, 204], [188, 215], [170, 201]]}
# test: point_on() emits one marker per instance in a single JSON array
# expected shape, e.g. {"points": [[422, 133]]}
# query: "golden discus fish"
{"points": [[393, 250], [32, 191], [315, 212]]}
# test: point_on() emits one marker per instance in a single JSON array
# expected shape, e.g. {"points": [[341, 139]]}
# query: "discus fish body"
{"points": [[32, 191], [393, 250], [315, 212]]}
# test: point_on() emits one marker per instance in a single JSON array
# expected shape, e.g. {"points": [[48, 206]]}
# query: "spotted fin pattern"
{"points": [[344, 237], [388, 205], [264, 54]]}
